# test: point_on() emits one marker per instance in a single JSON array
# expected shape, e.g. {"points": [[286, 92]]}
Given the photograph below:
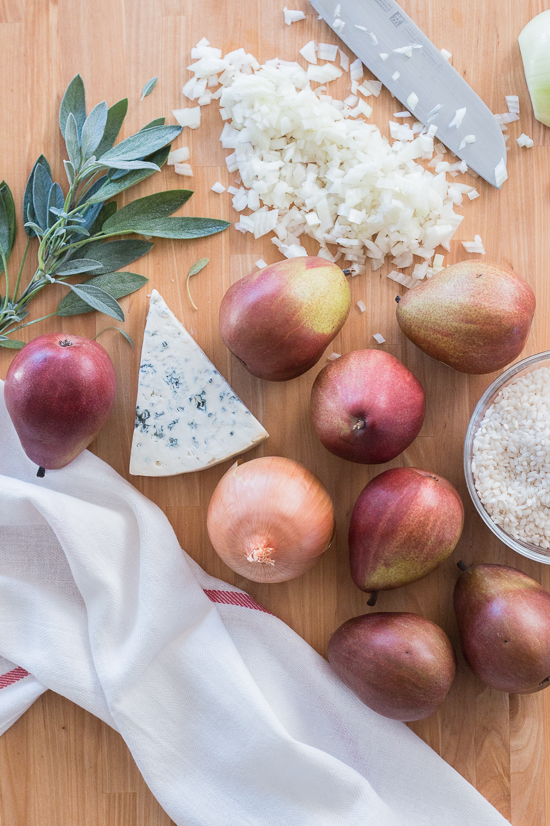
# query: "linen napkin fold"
{"points": [[230, 716]]}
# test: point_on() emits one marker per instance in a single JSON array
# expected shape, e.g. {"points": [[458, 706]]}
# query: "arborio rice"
{"points": [[511, 458]]}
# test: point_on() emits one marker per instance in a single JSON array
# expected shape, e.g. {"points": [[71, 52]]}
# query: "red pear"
{"points": [[59, 391], [367, 406], [279, 320], [405, 522], [399, 664], [475, 316], [503, 621]]}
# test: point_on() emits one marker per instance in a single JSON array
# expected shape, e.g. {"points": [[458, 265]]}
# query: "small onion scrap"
{"points": [[269, 519]]}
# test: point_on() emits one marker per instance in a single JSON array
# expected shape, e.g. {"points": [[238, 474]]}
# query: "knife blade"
{"points": [[374, 28]]}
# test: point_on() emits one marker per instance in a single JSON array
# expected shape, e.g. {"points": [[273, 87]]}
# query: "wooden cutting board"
{"points": [[59, 765]]}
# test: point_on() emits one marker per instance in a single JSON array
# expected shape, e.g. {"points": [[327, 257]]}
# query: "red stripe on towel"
{"points": [[222, 597], [12, 677], [235, 598]]}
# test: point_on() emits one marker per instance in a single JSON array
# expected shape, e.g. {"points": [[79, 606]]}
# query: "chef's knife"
{"points": [[374, 28]]}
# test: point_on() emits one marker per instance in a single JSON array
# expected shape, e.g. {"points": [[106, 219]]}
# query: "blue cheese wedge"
{"points": [[187, 416]]}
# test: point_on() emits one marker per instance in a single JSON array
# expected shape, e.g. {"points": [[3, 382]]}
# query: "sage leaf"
{"points": [[56, 202], [175, 227], [93, 129], [120, 330], [75, 267], [98, 299], [9, 207], [155, 122], [148, 88], [120, 164], [106, 210], [4, 231], [113, 255], [117, 285], [196, 268], [115, 118], [73, 103], [72, 141], [40, 193], [12, 344], [136, 176], [27, 197], [70, 172], [158, 205], [141, 144], [36, 230]]}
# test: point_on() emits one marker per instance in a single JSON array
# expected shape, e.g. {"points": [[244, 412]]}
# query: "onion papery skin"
{"points": [[269, 519], [534, 43]]}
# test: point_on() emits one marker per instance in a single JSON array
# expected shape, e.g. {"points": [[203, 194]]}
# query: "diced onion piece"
{"points": [[473, 194], [458, 117], [361, 306], [183, 169], [438, 260], [406, 50], [309, 51], [260, 263], [292, 15], [379, 338], [188, 117], [205, 99], [447, 55], [178, 155], [383, 56], [412, 101], [323, 74], [326, 51], [501, 174], [475, 246], [402, 114], [207, 66], [361, 28], [218, 187], [334, 356], [356, 70], [396, 75], [344, 60], [525, 140], [336, 11], [466, 140], [512, 102]]}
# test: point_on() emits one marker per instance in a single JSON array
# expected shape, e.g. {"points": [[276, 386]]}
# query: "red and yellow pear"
{"points": [[474, 316], [279, 320]]}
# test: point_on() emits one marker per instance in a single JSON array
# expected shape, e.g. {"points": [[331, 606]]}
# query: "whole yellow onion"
{"points": [[270, 518]]}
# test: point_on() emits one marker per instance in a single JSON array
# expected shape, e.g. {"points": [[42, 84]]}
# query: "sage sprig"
{"points": [[74, 225]]}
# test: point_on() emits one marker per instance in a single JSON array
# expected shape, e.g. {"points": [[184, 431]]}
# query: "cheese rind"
{"points": [[187, 416]]}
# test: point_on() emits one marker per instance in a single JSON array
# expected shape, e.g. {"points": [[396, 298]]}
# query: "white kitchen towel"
{"points": [[231, 717]]}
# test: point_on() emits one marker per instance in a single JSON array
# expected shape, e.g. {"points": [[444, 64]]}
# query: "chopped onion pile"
{"points": [[310, 164]]}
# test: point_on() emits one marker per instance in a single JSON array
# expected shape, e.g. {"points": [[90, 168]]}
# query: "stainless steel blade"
{"points": [[373, 28]]}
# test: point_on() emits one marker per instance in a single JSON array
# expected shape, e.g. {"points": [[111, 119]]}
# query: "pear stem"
{"points": [[372, 599], [41, 472], [397, 299], [462, 565]]}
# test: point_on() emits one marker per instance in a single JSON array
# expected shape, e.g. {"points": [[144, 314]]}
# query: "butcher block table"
{"points": [[58, 764]]}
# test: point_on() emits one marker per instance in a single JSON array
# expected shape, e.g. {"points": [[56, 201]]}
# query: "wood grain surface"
{"points": [[58, 764]]}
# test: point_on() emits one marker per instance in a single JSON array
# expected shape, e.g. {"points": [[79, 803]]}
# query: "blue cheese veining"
{"points": [[187, 416]]}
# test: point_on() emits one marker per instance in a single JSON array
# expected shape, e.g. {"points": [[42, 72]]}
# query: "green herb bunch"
{"points": [[72, 227]]}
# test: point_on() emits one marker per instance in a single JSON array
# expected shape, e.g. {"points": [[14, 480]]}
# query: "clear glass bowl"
{"points": [[520, 368]]}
